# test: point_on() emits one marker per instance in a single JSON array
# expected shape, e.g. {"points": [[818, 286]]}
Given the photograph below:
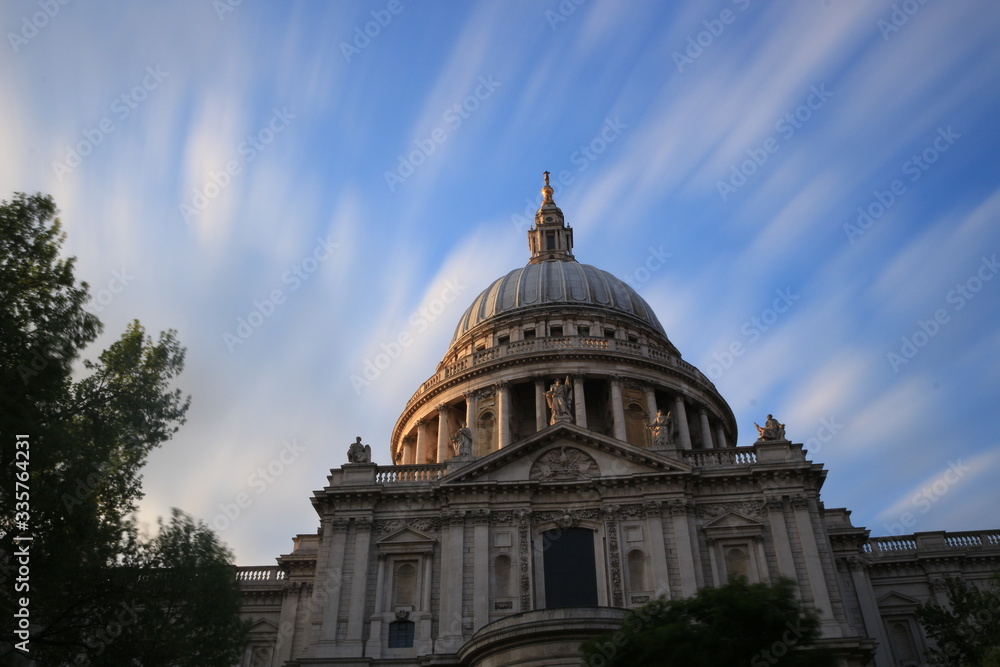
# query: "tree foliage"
{"points": [[736, 624], [92, 575], [967, 630]]}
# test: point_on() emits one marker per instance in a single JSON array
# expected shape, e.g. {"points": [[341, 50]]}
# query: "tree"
{"points": [[967, 630], [736, 624], [88, 440]]}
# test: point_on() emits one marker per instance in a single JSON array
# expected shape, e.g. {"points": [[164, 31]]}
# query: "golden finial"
{"points": [[547, 191]]}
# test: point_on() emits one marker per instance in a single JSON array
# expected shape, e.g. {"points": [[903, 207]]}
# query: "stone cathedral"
{"points": [[561, 466]]}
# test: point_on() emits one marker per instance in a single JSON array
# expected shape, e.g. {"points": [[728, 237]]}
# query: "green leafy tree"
{"points": [[736, 624], [90, 570], [967, 630]]}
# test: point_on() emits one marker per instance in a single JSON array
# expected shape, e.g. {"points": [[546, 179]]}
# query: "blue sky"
{"points": [[814, 185]]}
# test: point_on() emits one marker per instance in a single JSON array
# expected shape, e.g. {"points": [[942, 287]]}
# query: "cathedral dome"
{"points": [[555, 283], [552, 342]]}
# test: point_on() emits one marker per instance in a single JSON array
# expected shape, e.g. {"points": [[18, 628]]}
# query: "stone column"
{"points": [[690, 569], [720, 437], [409, 451], [681, 419], [444, 431], [541, 416], [330, 590], [650, 401], [373, 647], [503, 413], [780, 543], [870, 614], [481, 569], [579, 401], [359, 580], [449, 637], [706, 430], [814, 566], [657, 548], [470, 410], [617, 411], [421, 455]]}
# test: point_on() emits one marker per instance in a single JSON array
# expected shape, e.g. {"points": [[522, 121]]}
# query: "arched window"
{"points": [[404, 585], [637, 571], [502, 577], [737, 562]]}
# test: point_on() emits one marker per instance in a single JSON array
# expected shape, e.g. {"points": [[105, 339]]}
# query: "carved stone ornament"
{"points": [[751, 508], [564, 463]]}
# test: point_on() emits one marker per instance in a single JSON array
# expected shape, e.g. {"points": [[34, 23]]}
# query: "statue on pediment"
{"points": [[771, 430], [662, 428], [461, 441], [560, 400], [359, 453]]}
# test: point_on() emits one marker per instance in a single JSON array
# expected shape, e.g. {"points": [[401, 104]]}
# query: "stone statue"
{"points": [[771, 430], [359, 453], [662, 428], [560, 402], [461, 441]]}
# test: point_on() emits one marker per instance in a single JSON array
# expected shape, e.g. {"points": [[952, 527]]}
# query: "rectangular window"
{"points": [[555, 331], [503, 340], [550, 240], [529, 334], [583, 331], [401, 634], [609, 333]]}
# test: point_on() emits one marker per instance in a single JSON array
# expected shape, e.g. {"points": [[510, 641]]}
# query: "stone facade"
{"points": [[564, 504]]}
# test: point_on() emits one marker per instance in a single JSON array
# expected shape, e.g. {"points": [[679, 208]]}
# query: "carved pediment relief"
{"points": [[564, 463]]}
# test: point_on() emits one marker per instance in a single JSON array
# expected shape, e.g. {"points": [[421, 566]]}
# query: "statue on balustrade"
{"points": [[560, 400], [662, 428], [461, 441], [771, 430], [359, 453]]}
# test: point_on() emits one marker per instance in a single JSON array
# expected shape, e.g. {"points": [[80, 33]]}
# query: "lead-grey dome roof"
{"points": [[555, 283]]}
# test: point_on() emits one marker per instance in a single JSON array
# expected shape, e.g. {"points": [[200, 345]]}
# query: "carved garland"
{"points": [[522, 545], [616, 561]]}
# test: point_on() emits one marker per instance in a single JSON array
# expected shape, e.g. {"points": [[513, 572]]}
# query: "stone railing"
{"points": [[939, 540], [259, 574], [410, 473], [554, 344], [737, 456]]}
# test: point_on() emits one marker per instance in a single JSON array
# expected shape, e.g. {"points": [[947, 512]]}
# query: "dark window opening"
{"points": [[401, 634], [555, 331], [503, 340], [583, 331], [609, 333], [529, 334], [570, 568], [550, 240]]}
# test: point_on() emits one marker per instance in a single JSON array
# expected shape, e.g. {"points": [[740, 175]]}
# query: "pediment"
{"points": [[894, 599], [262, 626], [733, 520], [405, 536], [564, 453]]}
